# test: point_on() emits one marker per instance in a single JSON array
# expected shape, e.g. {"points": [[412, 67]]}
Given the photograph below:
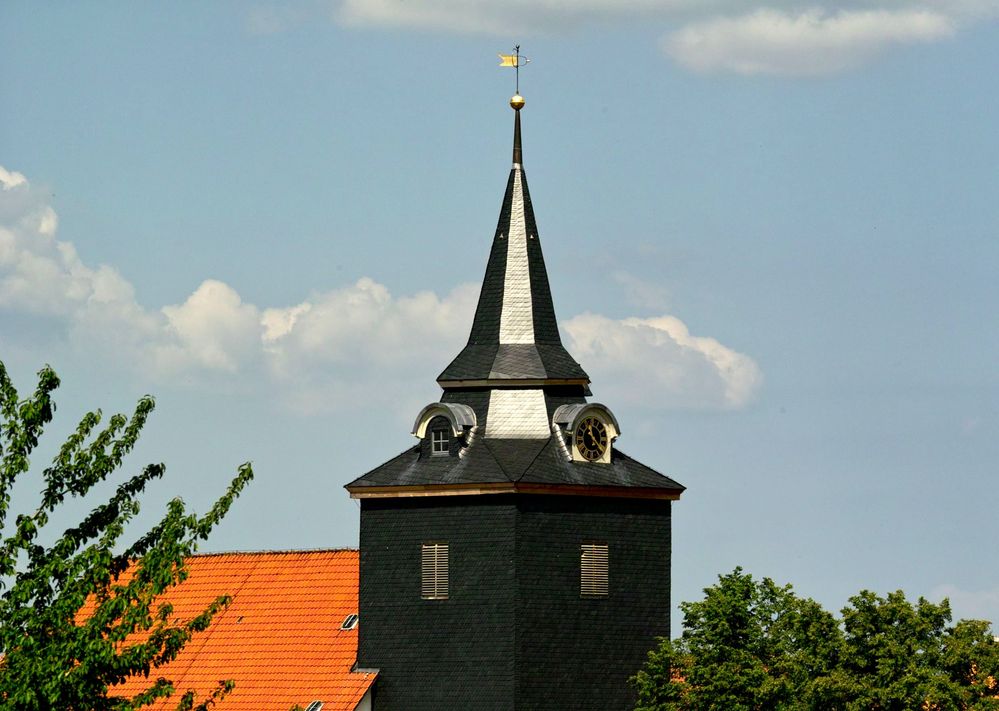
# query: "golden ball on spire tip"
{"points": [[517, 102]]}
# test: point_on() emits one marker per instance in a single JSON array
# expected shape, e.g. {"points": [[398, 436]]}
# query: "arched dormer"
{"points": [[443, 428], [588, 431], [460, 417]]}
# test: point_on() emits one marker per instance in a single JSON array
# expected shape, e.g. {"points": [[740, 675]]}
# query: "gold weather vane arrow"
{"points": [[515, 60]]}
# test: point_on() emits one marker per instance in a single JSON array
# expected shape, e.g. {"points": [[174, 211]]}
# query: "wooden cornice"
{"points": [[511, 382], [398, 492]]}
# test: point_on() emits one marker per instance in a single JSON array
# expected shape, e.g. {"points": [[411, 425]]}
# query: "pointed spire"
{"points": [[517, 102], [514, 338]]}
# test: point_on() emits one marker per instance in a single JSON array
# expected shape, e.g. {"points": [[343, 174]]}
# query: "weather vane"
{"points": [[515, 60]]}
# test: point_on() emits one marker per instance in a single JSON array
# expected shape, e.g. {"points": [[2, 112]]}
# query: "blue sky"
{"points": [[772, 235]]}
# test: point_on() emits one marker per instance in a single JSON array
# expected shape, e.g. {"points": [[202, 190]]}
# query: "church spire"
{"points": [[514, 338], [517, 103]]}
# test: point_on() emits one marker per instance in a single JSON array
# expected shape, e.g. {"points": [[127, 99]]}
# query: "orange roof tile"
{"points": [[279, 639]]}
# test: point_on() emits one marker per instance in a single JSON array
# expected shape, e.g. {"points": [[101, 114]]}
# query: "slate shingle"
{"points": [[485, 357], [513, 460]]}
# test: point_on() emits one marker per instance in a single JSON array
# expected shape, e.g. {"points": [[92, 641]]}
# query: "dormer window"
{"points": [[444, 428], [589, 431], [440, 442]]}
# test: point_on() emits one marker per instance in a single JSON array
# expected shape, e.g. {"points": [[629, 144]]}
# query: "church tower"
{"points": [[514, 558]]}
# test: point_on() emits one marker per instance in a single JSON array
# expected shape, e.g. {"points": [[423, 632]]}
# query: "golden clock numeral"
{"points": [[591, 439]]}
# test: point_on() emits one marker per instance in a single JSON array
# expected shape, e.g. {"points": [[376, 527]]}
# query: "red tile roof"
{"points": [[279, 639]]}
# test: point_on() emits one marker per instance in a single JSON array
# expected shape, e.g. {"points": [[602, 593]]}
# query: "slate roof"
{"points": [[514, 333], [279, 639], [521, 461]]}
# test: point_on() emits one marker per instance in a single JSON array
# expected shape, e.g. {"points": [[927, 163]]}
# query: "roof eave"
{"points": [[421, 490], [510, 382]]}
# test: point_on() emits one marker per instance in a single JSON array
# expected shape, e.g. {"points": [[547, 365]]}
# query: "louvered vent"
{"points": [[435, 571], [593, 570]]}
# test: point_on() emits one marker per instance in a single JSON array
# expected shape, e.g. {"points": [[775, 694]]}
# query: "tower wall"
{"points": [[573, 652], [515, 632], [436, 655]]}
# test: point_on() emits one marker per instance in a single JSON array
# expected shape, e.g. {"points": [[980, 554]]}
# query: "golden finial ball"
{"points": [[517, 102]]}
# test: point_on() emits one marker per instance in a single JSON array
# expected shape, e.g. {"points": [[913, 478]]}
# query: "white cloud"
{"points": [[361, 342], [45, 277], [811, 42], [213, 328], [636, 360], [9, 180], [358, 341]]}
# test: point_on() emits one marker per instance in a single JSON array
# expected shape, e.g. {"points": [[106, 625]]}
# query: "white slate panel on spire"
{"points": [[517, 316], [517, 414]]}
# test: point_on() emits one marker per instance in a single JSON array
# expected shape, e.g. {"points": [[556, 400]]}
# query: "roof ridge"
{"points": [[274, 551], [547, 444], [499, 464]]}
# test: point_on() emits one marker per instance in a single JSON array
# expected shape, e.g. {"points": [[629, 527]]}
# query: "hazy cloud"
{"points": [[799, 44], [515, 17], [642, 293], [269, 19], [333, 347], [970, 604]]}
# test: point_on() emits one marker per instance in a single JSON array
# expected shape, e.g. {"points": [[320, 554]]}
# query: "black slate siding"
{"points": [[486, 323], [545, 324], [438, 654], [577, 653], [515, 633]]}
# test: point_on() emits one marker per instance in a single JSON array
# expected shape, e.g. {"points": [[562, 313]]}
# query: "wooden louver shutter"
{"points": [[593, 570], [435, 571]]}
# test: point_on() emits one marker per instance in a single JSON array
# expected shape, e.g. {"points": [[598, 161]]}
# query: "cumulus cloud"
{"points": [[213, 329], [797, 44], [360, 341], [634, 359], [336, 346], [45, 277]]}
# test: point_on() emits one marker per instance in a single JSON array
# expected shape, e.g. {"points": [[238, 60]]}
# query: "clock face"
{"points": [[591, 439]]}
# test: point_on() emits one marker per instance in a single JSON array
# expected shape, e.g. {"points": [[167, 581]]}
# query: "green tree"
{"points": [[80, 614], [746, 645], [902, 655], [755, 645]]}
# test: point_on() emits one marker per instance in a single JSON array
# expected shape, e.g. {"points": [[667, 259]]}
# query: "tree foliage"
{"points": [[754, 645], [80, 614]]}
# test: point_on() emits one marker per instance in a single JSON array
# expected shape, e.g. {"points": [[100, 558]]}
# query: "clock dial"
{"points": [[591, 439]]}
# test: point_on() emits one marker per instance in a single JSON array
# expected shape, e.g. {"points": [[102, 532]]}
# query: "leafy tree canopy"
{"points": [[753, 645], [80, 614]]}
